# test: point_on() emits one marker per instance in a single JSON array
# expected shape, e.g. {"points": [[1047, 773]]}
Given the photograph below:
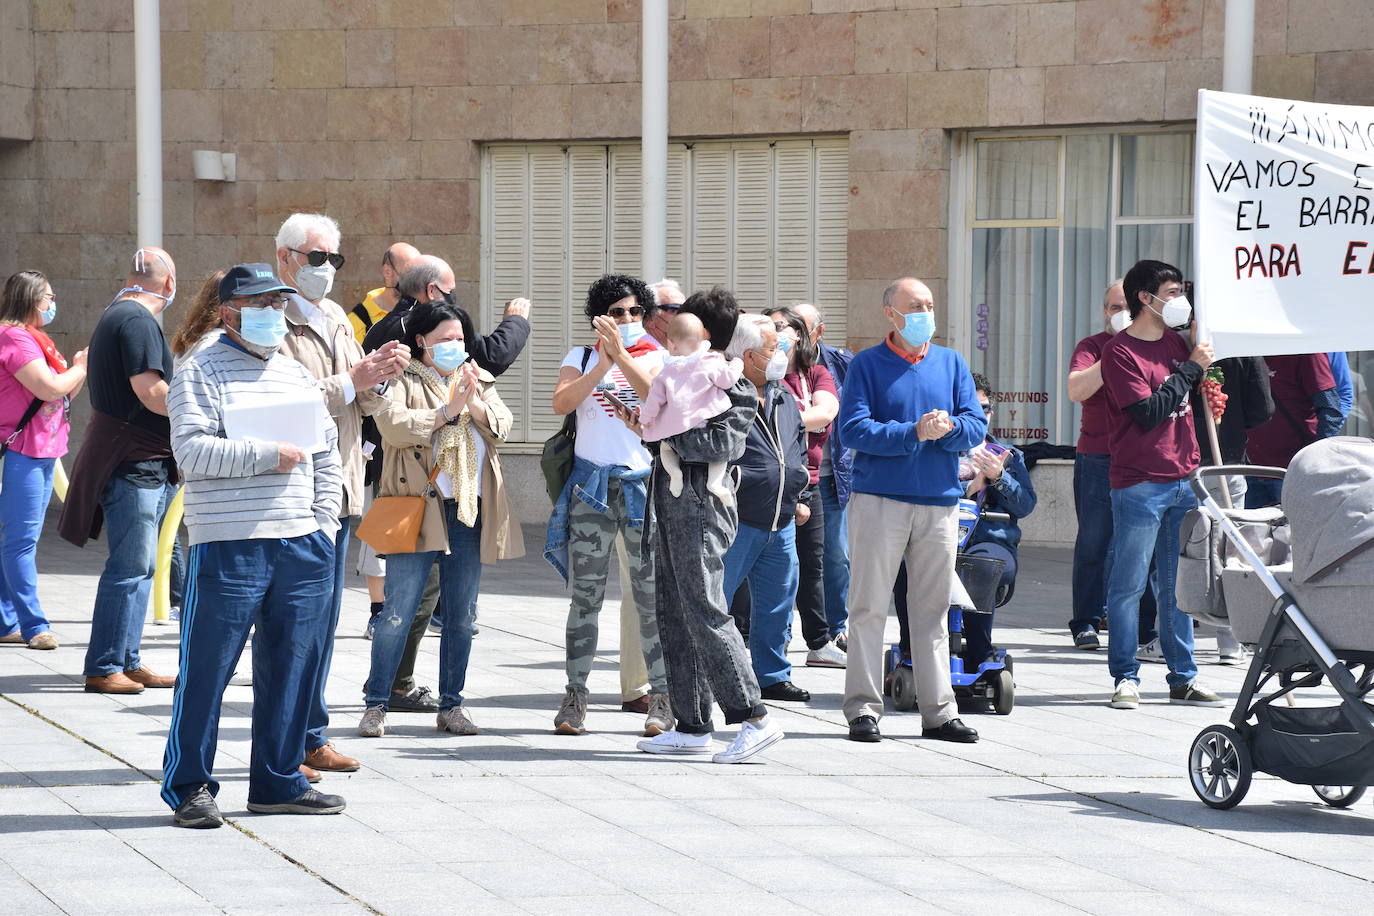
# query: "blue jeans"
{"points": [[133, 516], [24, 495], [276, 587], [318, 719], [460, 574], [1092, 501], [1262, 491], [836, 558], [1147, 517], [768, 559]]}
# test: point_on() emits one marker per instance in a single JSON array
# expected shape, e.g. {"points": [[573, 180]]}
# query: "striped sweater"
{"points": [[233, 488]]}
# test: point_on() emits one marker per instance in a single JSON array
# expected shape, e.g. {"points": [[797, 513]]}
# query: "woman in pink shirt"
{"points": [[35, 383]]}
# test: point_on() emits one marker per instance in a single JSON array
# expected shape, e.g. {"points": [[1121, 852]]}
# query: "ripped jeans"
{"points": [[460, 573]]}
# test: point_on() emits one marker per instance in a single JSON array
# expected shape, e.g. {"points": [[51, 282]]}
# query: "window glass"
{"points": [[1018, 179], [1169, 242], [1156, 175]]}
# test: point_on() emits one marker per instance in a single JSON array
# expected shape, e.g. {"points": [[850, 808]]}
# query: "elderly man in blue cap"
{"points": [[263, 493]]}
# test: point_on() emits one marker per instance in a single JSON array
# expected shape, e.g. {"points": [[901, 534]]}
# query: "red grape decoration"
{"points": [[1211, 391]]}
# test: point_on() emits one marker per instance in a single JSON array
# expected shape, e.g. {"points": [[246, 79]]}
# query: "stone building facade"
{"points": [[377, 112]]}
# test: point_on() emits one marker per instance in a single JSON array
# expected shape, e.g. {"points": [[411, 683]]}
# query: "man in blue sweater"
{"points": [[908, 409]]}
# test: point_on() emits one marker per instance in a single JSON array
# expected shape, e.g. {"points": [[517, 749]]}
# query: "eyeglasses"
{"points": [[634, 311], [988, 409], [316, 258], [262, 301]]}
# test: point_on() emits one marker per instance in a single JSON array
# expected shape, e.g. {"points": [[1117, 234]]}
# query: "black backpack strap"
{"points": [[586, 357], [34, 406], [361, 311]]}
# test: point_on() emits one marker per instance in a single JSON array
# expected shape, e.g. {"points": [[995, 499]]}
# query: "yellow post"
{"points": [[59, 480], [162, 572]]}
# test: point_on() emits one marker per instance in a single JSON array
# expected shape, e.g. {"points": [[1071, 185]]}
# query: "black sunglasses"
{"points": [[316, 258], [633, 311]]}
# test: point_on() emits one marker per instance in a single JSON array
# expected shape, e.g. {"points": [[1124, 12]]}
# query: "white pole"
{"points": [[148, 119], [654, 143], [1238, 47]]}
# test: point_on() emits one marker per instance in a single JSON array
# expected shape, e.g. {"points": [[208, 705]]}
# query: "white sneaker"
{"points": [[373, 724], [1150, 652], [827, 656], [1237, 656], [752, 738], [1127, 695], [676, 742]]}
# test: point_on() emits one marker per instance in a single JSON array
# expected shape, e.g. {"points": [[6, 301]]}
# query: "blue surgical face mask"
{"points": [[631, 333], [919, 328], [448, 355], [46, 316], [265, 327]]}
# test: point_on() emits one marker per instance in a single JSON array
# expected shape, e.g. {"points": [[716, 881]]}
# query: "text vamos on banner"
{"points": [[1284, 197]]}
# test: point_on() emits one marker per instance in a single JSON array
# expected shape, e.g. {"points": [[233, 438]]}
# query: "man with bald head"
{"points": [[124, 471], [908, 409], [378, 302], [431, 279]]}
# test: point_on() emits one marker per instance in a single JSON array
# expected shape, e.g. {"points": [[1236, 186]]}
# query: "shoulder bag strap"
{"points": [[34, 406]]}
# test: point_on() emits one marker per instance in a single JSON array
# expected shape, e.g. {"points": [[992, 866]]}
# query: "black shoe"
{"points": [[786, 691], [1086, 639], [953, 730], [865, 728], [198, 811], [311, 801], [418, 700]]}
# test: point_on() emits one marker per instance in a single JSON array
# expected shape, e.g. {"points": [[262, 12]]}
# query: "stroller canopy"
{"points": [[1328, 496]]}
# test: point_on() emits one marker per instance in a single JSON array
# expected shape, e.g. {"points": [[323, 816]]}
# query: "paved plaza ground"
{"points": [[1064, 806]]}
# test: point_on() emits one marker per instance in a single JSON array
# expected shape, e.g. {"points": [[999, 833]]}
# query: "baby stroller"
{"points": [[1296, 584], [976, 592]]}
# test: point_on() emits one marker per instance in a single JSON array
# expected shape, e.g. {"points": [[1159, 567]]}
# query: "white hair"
{"points": [[665, 284], [299, 225], [748, 335]]}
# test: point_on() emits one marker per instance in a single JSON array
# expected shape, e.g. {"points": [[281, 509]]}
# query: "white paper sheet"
{"points": [[298, 418]]}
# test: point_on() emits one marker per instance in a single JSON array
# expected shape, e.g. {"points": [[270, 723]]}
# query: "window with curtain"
{"points": [[1054, 218], [769, 219]]}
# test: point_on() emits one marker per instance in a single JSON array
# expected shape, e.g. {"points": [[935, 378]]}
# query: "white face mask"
{"points": [[1177, 311], [776, 368], [314, 283], [1120, 321]]}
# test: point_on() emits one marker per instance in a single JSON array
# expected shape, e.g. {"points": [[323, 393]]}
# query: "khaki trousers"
{"points": [[634, 673], [882, 533]]}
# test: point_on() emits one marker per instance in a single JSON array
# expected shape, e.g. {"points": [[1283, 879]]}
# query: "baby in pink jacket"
{"points": [[689, 391]]}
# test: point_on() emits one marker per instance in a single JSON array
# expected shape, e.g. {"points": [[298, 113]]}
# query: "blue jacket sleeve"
{"points": [[859, 430], [970, 423], [1015, 492], [1345, 387], [1329, 416]]}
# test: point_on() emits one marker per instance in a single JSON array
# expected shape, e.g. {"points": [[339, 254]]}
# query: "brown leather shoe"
{"points": [[44, 640], [311, 773], [326, 758], [638, 705], [112, 683], [147, 678]]}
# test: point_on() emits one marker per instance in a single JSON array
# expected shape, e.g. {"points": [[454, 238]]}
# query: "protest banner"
{"points": [[1284, 203]]}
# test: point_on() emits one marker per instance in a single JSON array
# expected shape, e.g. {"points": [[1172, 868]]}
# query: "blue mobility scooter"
{"points": [[990, 685]]}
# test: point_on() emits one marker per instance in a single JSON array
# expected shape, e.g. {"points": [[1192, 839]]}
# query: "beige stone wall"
{"points": [[373, 110], [16, 70]]}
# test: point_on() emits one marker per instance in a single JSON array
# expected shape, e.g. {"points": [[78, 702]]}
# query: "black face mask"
{"points": [[448, 298]]}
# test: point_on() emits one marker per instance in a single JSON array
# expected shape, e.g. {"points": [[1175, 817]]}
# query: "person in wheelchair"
{"points": [[998, 479]]}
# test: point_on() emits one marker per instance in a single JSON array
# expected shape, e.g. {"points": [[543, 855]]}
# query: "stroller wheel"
{"points": [[904, 689], [1219, 767], [1339, 796]]}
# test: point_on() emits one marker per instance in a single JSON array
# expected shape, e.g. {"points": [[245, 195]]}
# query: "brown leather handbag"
{"points": [[393, 523]]}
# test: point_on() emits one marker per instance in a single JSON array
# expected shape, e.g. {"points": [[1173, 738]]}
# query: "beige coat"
{"points": [[406, 423], [329, 362]]}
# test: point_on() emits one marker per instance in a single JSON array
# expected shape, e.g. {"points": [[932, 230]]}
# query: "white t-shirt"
{"points": [[601, 437]]}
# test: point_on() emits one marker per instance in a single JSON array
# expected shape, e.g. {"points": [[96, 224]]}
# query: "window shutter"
{"points": [[711, 215], [831, 238], [624, 250], [678, 262], [506, 211], [548, 285], [753, 236], [794, 263]]}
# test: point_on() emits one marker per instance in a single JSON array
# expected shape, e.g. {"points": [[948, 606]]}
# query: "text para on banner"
{"points": [[1283, 246]]}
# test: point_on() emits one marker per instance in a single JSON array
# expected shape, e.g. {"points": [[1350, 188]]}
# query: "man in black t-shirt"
{"points": [[127, 460]]}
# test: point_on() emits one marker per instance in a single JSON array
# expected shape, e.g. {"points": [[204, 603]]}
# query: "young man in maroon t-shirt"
{"points": [[1147, 372], [1306, 408]]}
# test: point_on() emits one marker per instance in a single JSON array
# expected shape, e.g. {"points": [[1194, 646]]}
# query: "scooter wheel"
{"points": [[1003, 693], [1339, 796], [1219, 767], [904, 689]]}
